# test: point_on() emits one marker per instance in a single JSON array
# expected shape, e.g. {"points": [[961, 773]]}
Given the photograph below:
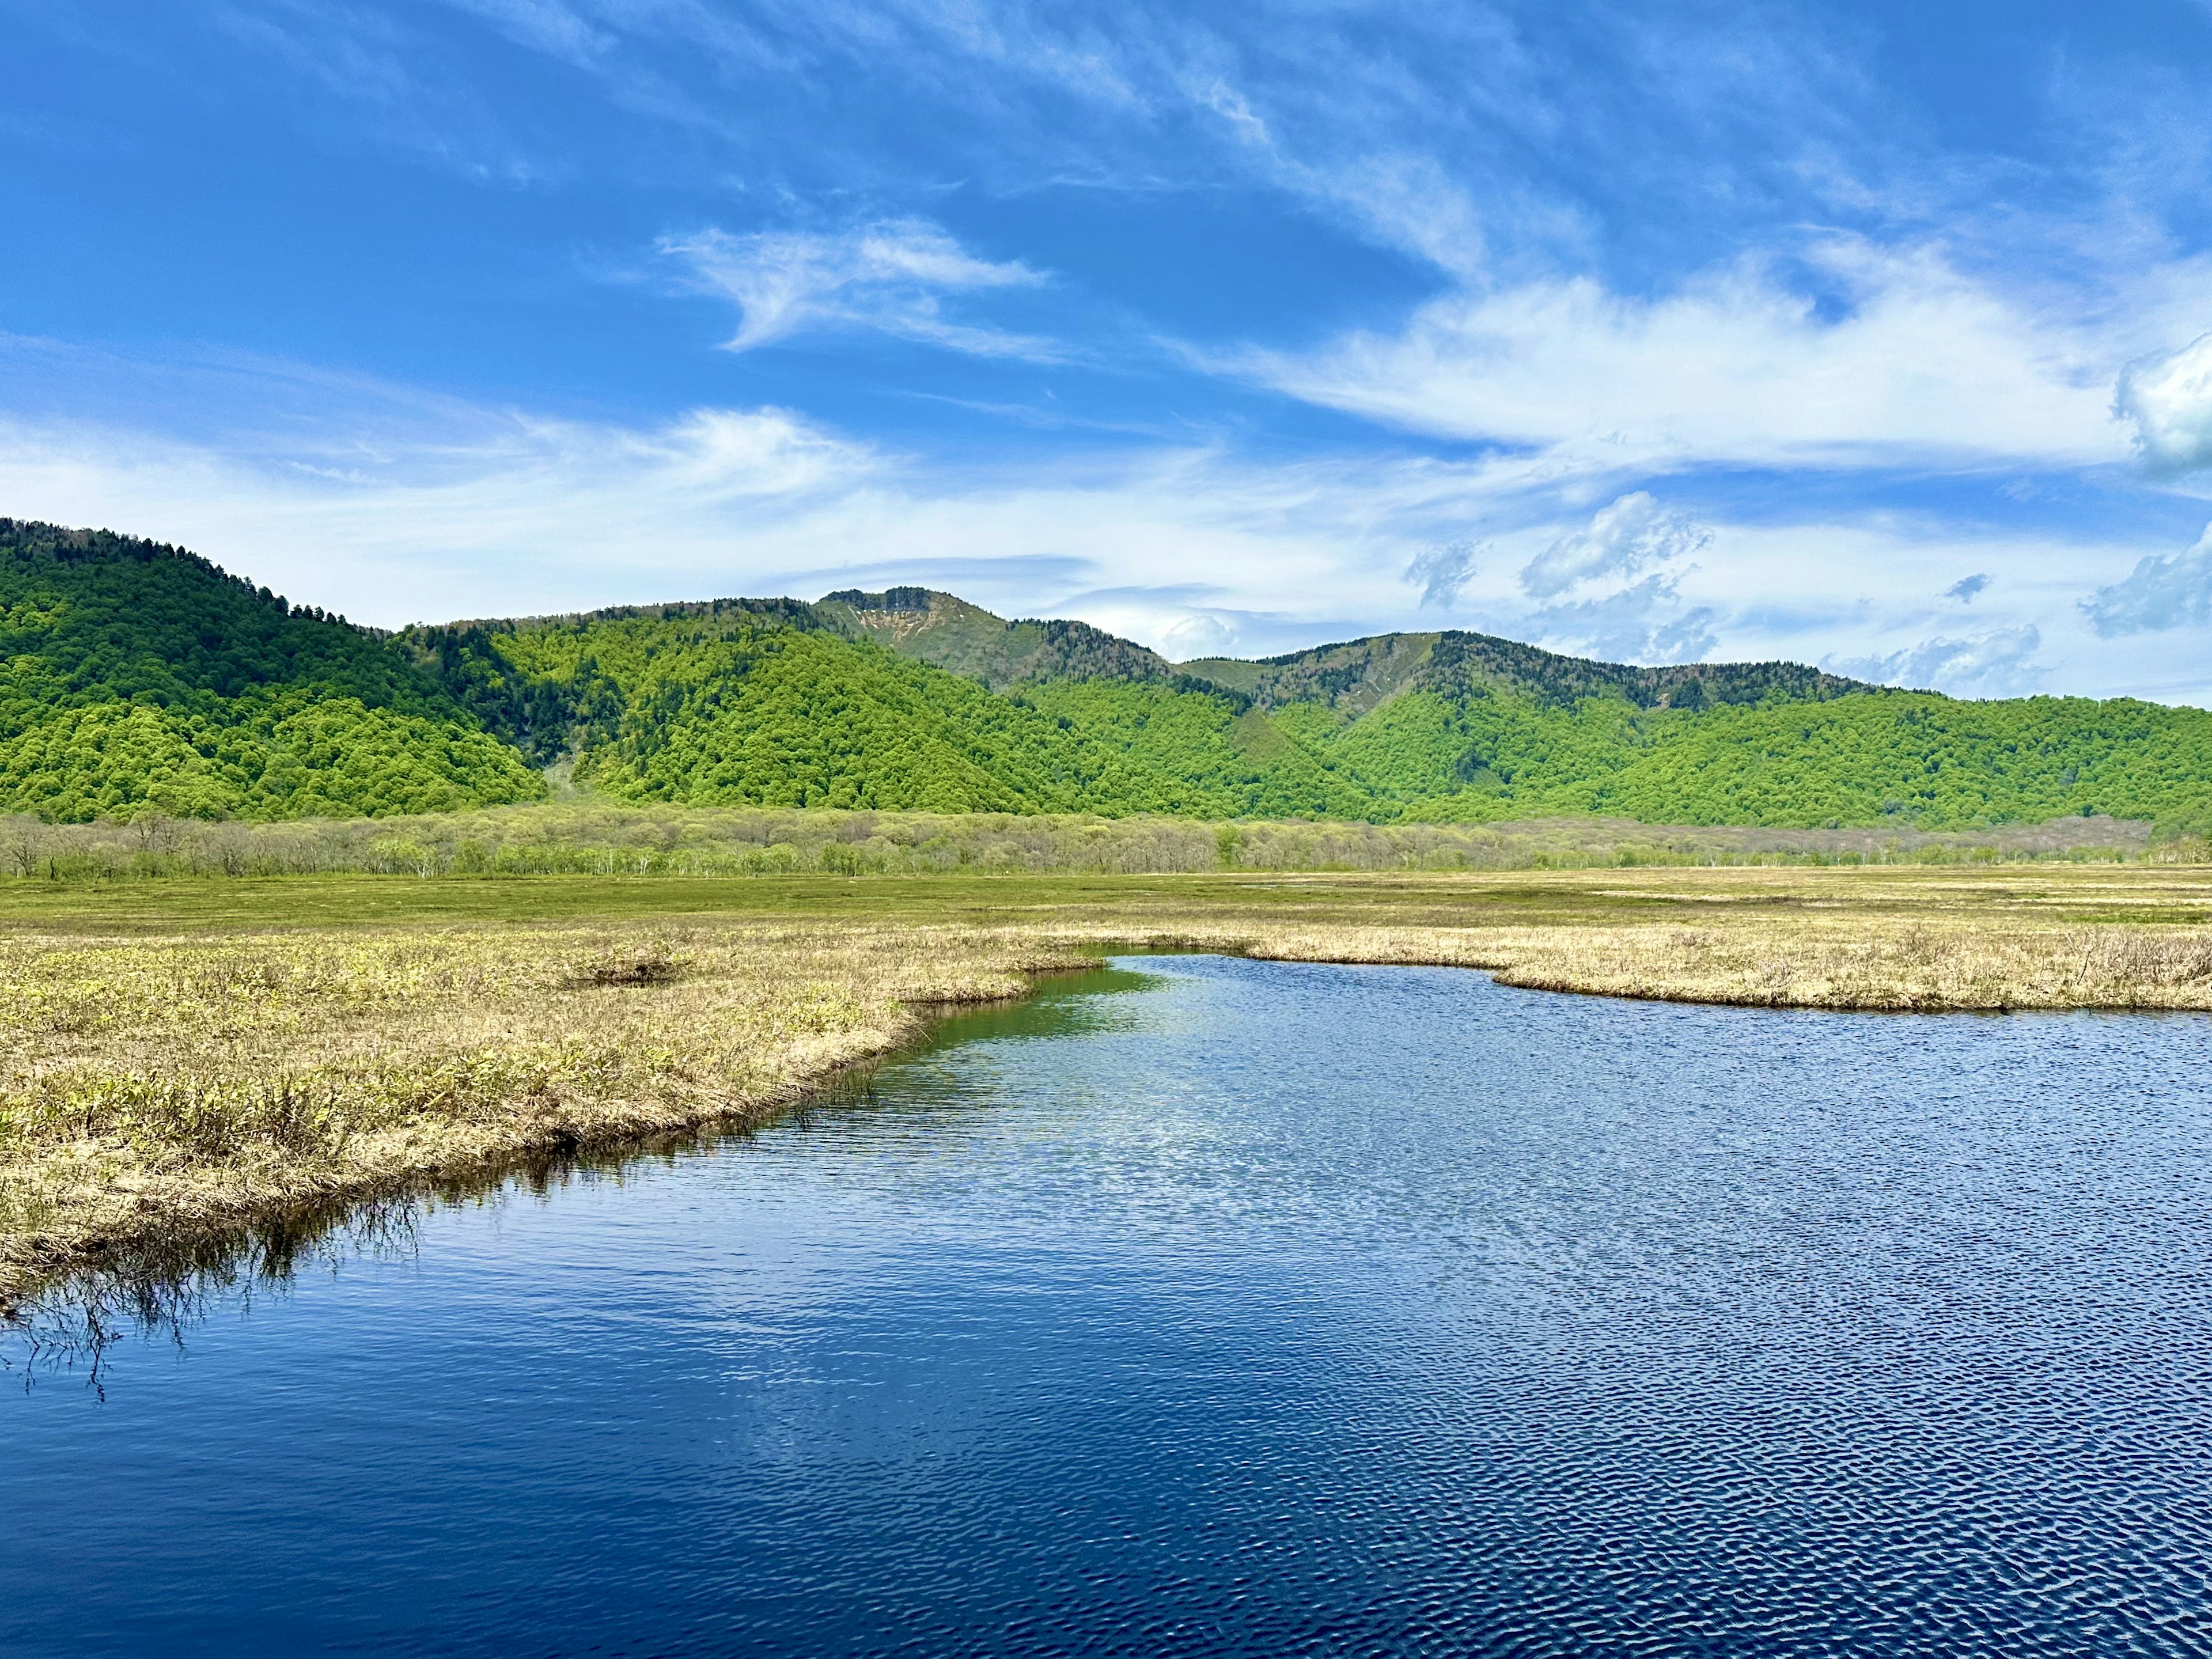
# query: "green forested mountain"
{"points": [[912, 698], [953, 634], [137, 676], [134, 675]]}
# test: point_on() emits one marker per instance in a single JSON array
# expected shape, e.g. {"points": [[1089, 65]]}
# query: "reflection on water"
{"points": [[161, 1288], [1225, 1306]]}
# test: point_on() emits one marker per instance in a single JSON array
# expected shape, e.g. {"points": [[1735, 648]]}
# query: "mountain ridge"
{"points": [[1360, 673], [139, 677], [917, 622]]}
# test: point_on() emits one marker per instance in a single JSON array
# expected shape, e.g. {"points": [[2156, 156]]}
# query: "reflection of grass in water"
{"points": [[198, 1082], [259, 1047], [1062, 1005], [161, 1283]]}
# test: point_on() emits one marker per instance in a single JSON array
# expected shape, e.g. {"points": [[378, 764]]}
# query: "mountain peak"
{"points": [[947, 631]]}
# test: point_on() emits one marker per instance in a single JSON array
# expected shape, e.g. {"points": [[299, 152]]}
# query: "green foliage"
{"points": [[138, 676], [286, 755], [950, 632], [739, 708], [1864, 758], [750, 704], [1226, 759]]}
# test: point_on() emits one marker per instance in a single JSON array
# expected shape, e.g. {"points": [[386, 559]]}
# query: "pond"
{"points": [[1208, 1305]]}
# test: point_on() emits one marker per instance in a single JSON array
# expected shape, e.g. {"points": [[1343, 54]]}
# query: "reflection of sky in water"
{"points": [[1259, 1306]]}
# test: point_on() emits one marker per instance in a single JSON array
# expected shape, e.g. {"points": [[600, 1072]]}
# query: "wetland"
{"points": [[1249, 1305]]}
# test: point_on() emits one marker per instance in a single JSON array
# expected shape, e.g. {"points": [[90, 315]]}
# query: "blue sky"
{"points": [[1878, 336]]}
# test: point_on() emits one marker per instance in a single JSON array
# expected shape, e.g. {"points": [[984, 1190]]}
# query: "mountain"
{"points": [[135, 675], [1361, 675], [911, 697], [967, 640]]}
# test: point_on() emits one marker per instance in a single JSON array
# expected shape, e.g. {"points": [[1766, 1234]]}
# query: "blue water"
{"points": [[1222, 1307]]}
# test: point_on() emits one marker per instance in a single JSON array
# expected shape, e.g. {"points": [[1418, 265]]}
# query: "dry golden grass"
{"points": [[1918, 967], [153, 1085], [196, 1083]]}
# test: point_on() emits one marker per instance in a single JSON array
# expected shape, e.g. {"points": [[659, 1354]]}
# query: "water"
{"points": [[1225, 1307]]}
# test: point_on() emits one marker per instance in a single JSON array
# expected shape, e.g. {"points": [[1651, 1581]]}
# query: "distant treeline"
{"points": [[736, 842]]}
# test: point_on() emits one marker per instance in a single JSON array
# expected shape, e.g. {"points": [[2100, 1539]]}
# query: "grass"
{"points": [[183, 1055]]}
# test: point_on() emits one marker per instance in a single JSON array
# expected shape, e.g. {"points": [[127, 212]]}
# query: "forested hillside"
{"points": [[140, 676], [134, 675], [856, 701]]}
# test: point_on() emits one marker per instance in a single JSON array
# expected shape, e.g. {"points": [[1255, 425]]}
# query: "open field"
{"points": [[181, 1055]]}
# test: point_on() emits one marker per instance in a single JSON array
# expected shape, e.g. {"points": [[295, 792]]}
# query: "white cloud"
{"points": [[1199, 633], [514, 516], [1613, 586], [1735, 368], [2173, 589], [1630, 535], [463, 511], [889, 276], [1998, 664], [2168, 399], [1441, 572], [1645, 622], [521, 515]]}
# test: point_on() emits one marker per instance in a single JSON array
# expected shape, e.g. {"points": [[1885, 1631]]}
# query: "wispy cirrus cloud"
{"points": [[1735, 368], [892, 277]]}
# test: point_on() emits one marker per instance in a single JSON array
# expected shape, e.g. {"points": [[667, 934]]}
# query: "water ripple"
{"points": [[1252, 1308]]}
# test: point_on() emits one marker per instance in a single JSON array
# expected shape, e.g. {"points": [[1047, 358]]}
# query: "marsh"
{"points": [[1254, 1306]]}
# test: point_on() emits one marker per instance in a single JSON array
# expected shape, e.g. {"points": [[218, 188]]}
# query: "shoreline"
{"points": [[185, 1233], [188, 1083]]}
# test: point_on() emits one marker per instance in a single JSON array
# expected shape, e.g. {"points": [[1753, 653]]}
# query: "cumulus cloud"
{"points": [[2171, 590], [1441, 572], [1199, 633], [1997, 663], [1645, 622], [1614, 585], [891, 277], [1632, 535], [2168, 400]]}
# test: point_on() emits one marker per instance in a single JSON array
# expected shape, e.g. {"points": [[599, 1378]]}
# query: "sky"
{"points": [[1877, 336]]}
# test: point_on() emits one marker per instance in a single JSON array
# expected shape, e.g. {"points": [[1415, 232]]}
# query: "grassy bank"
{"points": [[179, 1055]]}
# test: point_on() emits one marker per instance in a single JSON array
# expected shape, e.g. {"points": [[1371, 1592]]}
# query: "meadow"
{"points": [[184, 1055]]}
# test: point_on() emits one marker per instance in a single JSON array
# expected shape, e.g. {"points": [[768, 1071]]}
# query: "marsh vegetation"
{"points": [[190, 1055]]}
